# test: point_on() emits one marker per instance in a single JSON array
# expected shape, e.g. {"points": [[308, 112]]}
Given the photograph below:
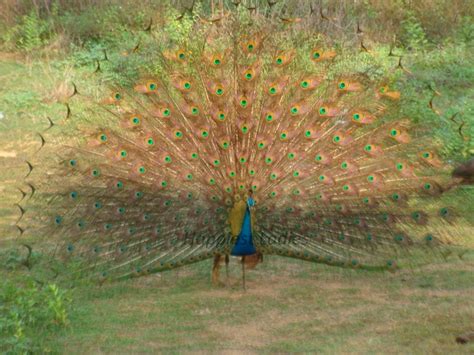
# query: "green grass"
{"points": [[290, 306]]}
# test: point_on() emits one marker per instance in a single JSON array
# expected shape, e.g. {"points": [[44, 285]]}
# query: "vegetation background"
{"points": [[290, 306]]}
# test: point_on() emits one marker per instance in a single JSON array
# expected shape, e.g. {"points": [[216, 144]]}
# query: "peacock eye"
{"points": [[395, 196], [181, 56], [370, 178], [135, 120], [123, 153], [279, 60], [219, 91], [225, 145], [307, 134], [194, 155], [194, 110], [393, 132], [103, 138], [117, 96], [273, 176], [427, 186], [245, 129], [222, 116], [119, 184], [217, 61], [316, 55], [283, 136], [166, 112], [272, 90], [187, 85], [73, 194], [342, 85], [336, 139], [294, 110], [443, 212], [426, 155], [356, 116], [368, 148], [205, 134], [345, 187], [248, 76], [141, 170], [250, 47], [217, 162], [318, 157], [322, 111], [138, 194], [72, 162], [243, 103], [399, 166], [296, 173], [291, 156], [189, 176], [344, 165], [269, 118], [168, 159], [232, 174], [178, 134], [212, 181], [243, 160], [150, 141], [261, 145], [164, 184], [304, 84], [252, 172], [96, 172], [268, 160]]}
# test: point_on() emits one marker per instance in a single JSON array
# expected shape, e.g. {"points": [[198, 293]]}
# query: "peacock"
{"points": [[242, 136]]}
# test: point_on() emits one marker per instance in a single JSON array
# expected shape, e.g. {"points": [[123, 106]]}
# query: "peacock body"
{"points": [[157, 174]]}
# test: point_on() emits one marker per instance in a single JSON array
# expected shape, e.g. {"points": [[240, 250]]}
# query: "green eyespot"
{"points": [[187, 85], [219, 91], [95, 172], [119, 184], [166, 112], [222, 116], [194, 110], [316, 55], [217, 61], [291, 156], [272, 90], [248, 76], [322, 111], [168, 159], [150, 141], [135, 120], [294, 110], [279, 60], [142, 170], [342, 85], [178, 134], [304, 84], [123, 153], [243, 103], [356, 116]]}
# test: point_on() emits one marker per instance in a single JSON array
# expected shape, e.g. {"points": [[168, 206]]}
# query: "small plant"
{"points": [[28, 310]]}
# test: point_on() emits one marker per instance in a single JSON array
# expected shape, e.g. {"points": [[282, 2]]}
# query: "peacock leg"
{"points": [[227, 268], [215, 269], [243, 272]]}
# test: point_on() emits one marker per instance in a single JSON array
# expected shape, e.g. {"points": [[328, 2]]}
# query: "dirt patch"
{"points": [[4, 154]]}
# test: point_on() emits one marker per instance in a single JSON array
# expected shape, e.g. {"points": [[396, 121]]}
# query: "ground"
{"points": [[289, 306]]}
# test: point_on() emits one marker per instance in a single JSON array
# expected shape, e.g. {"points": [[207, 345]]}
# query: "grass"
{"points": [[290, 306]]}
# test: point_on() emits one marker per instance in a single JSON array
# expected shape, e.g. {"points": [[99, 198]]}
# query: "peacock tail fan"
{"points": [[141, 178]]}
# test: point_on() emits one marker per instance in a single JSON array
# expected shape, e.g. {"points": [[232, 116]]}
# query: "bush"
{"points": [[26, 312]]}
